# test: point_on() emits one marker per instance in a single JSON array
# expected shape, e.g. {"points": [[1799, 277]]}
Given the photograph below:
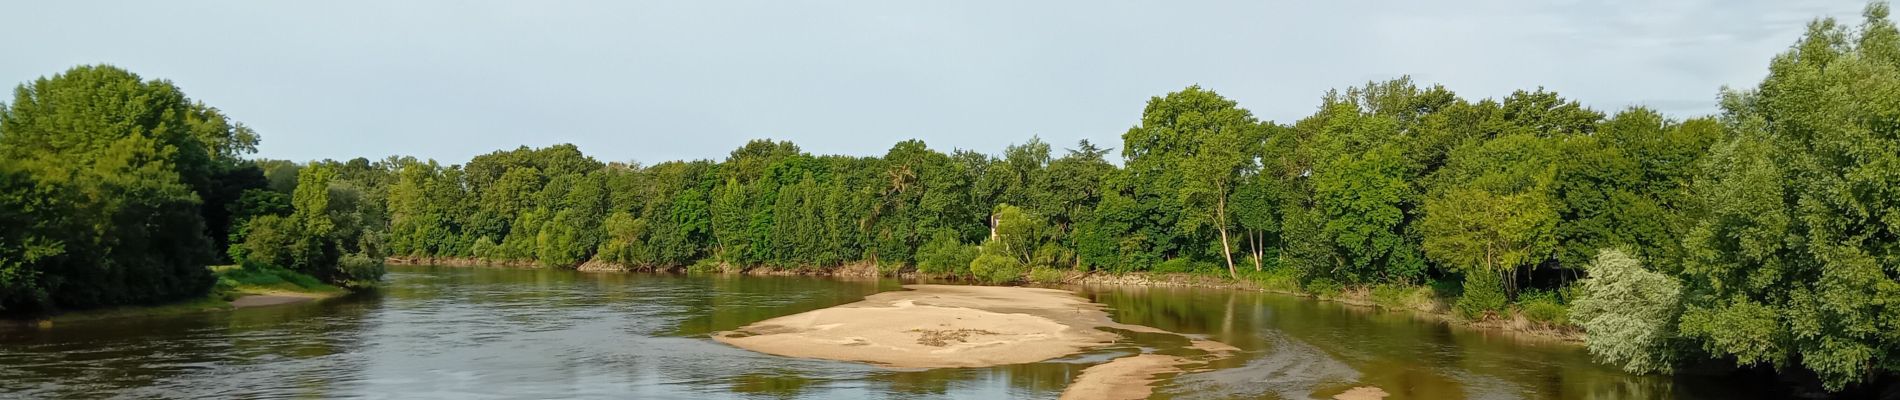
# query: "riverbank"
{"points": [[1417, 301], [237, 288], [208, 303]]}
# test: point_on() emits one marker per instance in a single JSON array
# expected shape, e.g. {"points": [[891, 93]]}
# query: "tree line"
{"points": [[1764, 235]]}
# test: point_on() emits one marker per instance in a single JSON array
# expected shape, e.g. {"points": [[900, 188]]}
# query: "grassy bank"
{"points": [[238, 281], [234, 283]]}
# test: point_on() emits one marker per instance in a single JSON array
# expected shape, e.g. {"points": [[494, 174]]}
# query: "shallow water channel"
{"points": [[443, 332]]}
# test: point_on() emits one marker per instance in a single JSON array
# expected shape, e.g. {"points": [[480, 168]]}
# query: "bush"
{"points": [[1401, 297], [1181, 265], [358, 270], [994, 268], [1047, 275], [944, 254], [1277, 279], [1325, 287], [1630, 313], [485, 248], [706, 265], [1483, 296], [1543, 307], [1052, 255], [887, 267], [1447, 288]]}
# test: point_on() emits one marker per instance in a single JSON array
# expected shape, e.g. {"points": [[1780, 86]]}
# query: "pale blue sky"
{"points": [[654, 81]]}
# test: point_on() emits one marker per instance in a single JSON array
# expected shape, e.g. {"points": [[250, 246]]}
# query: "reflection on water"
{"points": [[1298, 348], [437, 332]]}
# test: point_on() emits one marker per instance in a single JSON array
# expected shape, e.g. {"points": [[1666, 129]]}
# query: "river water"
{"points": [[471, 333]]}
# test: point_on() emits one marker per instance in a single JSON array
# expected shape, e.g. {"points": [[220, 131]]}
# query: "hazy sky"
{"points": [[695, 79]]}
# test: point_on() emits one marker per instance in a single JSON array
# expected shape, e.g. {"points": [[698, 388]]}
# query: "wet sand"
{"points": [[1129, 377]]}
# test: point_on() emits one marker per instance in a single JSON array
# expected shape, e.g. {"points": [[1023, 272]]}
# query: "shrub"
{"points": [[706, 265], [1630, 313], [1325, 287], [1047, 275], [994, 268], [1401, 297], [1277, 279], [485, 248], [1447, 288], [944, 254], [1180, 265], [359, 270], [1543, 307], [888, 267], [1483, 296]]}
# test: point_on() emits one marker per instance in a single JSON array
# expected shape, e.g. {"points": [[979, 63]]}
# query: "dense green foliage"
{"points": [[102, 172], [1769, 234], [1797, 257], [117, 190], [323, 236]]}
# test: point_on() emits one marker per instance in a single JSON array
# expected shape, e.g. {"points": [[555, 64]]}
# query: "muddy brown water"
{"points": [[449, 332]]}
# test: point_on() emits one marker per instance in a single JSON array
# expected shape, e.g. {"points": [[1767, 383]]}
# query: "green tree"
{"points": [[1183, 161], [104, 171], [1794, 259], [1213, 169], [1493, 214]]}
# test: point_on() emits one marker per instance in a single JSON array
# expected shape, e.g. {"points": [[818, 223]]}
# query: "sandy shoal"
{"points": [[938, 326], [1133, 377], [941, 326], [1129, 377]]}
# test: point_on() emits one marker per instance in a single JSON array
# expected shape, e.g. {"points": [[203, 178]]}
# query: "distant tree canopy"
{"points": [[1769, 234]]}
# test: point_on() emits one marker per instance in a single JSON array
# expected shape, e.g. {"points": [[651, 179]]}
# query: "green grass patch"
{"points": [[253, 278]]}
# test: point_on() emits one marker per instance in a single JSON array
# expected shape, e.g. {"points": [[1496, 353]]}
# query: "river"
{"points": [[444, 332]]}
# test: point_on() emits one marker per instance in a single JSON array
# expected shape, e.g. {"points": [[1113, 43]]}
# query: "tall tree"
{"points": [[1182, 164], [142, 156], [1795, 260]]}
